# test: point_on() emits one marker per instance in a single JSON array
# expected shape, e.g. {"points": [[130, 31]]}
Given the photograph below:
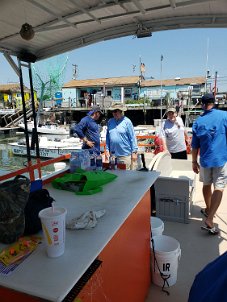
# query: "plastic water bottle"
{"points": [[74, 162], [92, 161], [99, 161], [139, 162], [112, 161], [116, 162]]}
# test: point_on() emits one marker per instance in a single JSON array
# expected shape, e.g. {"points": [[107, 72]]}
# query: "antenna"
{"points": [[207, 72], [75, 71]]}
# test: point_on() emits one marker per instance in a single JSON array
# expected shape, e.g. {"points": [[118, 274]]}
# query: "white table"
{"points": [[52, 279]]}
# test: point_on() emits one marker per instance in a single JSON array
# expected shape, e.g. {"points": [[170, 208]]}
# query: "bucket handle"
{"points": [[163, 276], [179, 255]]}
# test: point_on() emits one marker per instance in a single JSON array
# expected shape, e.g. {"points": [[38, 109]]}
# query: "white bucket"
{"points": [[157, 226], [167, 254], [59, 166]]}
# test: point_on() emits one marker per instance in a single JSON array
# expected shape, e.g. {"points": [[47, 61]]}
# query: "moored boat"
{"points": [[48, 148], [54, 129]]}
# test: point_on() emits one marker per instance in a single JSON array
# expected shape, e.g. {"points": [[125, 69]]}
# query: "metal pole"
{"points": [[207, 65], [24, 111], [161, 86], [215, 83]]}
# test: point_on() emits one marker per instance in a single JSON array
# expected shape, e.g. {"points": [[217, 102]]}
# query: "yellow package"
{"points": [[24, 246]]}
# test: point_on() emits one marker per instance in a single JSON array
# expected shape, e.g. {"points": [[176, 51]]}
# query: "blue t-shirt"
{"points": [[210, 136], [120, 137], [88, 128]]}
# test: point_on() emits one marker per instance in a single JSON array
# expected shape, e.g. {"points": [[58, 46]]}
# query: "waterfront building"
{"points": [[131, 90], [10, 96]]}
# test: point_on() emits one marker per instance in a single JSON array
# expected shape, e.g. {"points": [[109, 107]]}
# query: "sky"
{"points": [[186, 53]]}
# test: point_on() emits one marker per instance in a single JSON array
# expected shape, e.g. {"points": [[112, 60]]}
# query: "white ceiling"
{"points": [[63, 25]]}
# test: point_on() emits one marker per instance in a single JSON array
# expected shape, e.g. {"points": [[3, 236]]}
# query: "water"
{"points": [[10, 162]]}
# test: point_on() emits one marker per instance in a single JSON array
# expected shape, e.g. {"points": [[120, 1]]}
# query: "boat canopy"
{"points": [[38, 29]]}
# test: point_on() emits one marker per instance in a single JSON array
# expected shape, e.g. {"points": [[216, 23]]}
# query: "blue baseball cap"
{"points": [[208, 98], [95, 109]]}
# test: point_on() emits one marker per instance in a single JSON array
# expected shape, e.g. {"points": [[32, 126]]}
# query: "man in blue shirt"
{"points": [[89, 131], [120, 137], [210, 140]]}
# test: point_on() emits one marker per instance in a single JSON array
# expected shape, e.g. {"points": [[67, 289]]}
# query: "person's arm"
{"points": [[195, 149], [107, 152], [133, 141], [162, 137], [181, 123], [195, 164], [80, 130]]}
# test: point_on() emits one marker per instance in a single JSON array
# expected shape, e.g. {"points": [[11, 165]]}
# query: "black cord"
{"points": [[163, 276]]}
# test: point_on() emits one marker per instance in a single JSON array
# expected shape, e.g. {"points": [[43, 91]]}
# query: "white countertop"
{"points": [[53, 278]]}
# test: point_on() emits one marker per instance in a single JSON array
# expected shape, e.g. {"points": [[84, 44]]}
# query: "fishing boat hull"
{"points": [[46, 129], [51, 152]]}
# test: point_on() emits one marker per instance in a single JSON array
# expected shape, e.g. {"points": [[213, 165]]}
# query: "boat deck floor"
{"points": [[198, 248]]}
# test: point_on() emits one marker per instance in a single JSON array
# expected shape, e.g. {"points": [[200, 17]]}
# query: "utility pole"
{"points": [[75, 70], [161, 85], [215, 83], [207, 72]]}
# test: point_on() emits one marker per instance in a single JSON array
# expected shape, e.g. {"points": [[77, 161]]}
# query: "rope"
{"points": [[163, 276]]}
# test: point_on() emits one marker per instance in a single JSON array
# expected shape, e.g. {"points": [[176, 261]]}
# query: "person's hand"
{"points": [[90, 143], [134, 157], [195, 167]]}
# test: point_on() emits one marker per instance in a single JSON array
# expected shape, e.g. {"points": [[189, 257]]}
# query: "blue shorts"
{"points": [[216, 176]]}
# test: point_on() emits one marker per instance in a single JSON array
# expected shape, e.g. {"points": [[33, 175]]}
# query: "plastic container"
{"points": [[157, 226], [167, 254], [74, 162], [79, 159], [92, 161], [112, 161], [53, 226], [139, 162], [99, 162]]}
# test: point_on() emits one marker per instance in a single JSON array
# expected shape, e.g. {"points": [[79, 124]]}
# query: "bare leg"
{"points": [[207, 193], [215, 202]]}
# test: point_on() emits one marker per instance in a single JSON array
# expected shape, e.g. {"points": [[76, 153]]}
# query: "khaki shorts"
{"points": [[216, 176], [130, 165]]}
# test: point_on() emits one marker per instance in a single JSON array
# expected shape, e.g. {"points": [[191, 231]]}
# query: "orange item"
{"points": [[23, 247], [158, 142], [124, 274]]}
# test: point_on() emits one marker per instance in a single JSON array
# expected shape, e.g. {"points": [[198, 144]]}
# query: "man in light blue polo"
{"points": [[121, 138], [210, 140]]}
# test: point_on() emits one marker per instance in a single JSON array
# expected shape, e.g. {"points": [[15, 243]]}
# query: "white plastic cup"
{"points": [[53, 225]]}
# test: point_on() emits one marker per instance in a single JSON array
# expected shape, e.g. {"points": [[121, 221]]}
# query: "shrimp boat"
{"points": [[48, 148]]}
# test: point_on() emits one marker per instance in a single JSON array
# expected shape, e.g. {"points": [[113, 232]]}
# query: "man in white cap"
{"points": [[174, 135], [120, 137]]}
